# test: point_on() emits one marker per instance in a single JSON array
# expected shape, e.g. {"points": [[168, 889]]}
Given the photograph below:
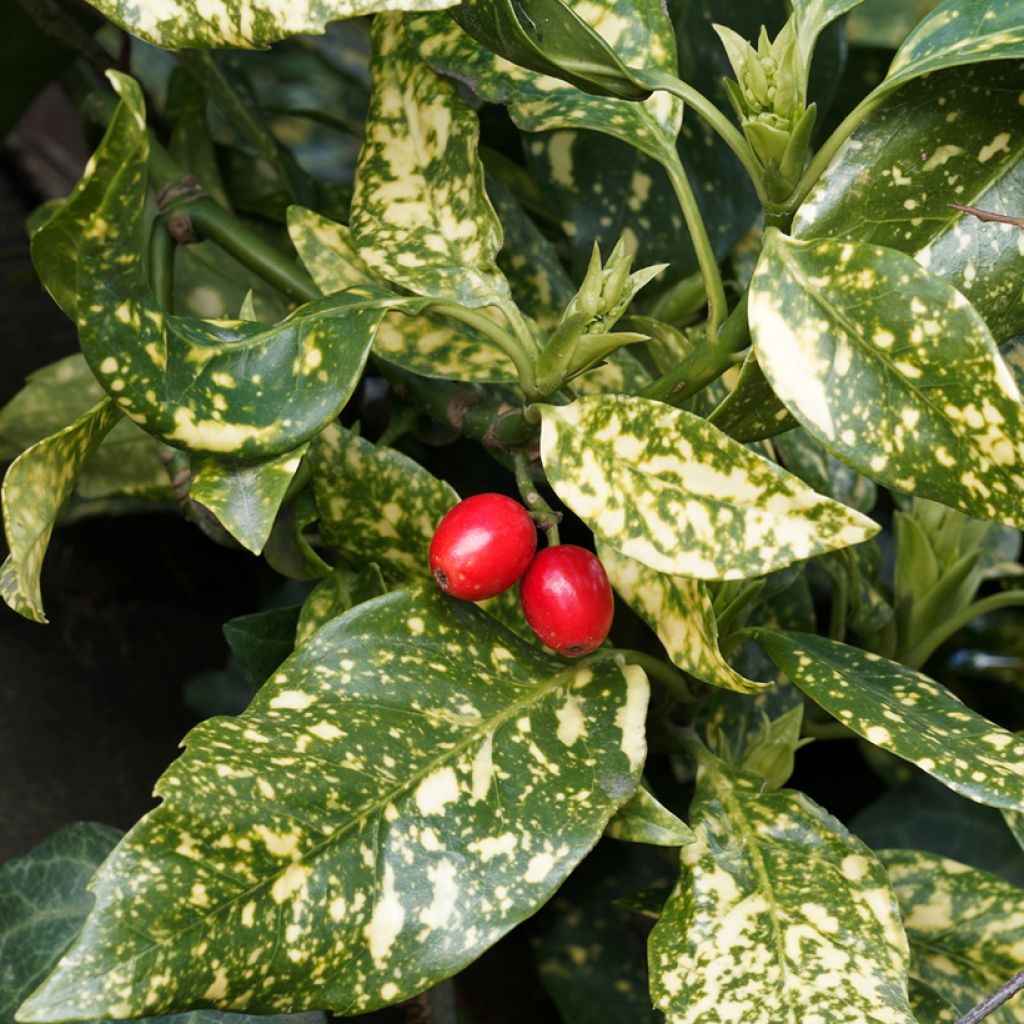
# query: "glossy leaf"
{"points": [[640, 33], [906, 713], [666, 488], [644, 819], [261, 641], [428, 344], [959, 32], [929, 1007], [399, 730], [336, 594], [420, 214], [813, 16], [247, 24], [35, 489], [779, 914], [679, 610], [966, 928], [910, 159], [802, 455], [892, 370], [376, 504], [751, 411], [244, 496]]}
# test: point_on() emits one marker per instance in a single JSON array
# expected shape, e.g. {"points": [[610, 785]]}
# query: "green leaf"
{"points": [[751, 411], [261, 641], [336, 594], [912, 157], [641, 34], [965, 928], [771, 754], [289, 550], [802, 455], [680, 611], [812, 17], [779, 914], [35, 489], [666, 488], [929, 1007], [352, 837], [246, 24], [959, 32], [377, 505], [244, 496], [644, 819], [906, 713], [420, 214], [54, 244], [892, 370]]}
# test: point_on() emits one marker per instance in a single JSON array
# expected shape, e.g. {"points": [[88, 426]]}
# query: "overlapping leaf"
{"points": [[644, 819], [351, 838], [247, 24], [966, 928], [751, 411], [892, 370], [906, 713], [420, 214], [35, 489], [666, 488], [679, 610], [336, 594], [911, 158], [244, 496], [779, 914], [959, 32], [813, 16], [376, 504]]}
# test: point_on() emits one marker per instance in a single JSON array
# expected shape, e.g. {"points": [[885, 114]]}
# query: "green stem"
{"points": [[840, 605], [161, 265], [931, 642], [547, 518], [716, 120], [706, 259], [816, 168], [827, 731], [661, 672], [704, 364]]}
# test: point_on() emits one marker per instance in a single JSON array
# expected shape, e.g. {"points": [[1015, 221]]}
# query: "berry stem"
{"points": [[546, 517]]}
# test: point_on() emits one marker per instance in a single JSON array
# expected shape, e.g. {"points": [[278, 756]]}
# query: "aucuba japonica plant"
{"points": [[723, 303]]}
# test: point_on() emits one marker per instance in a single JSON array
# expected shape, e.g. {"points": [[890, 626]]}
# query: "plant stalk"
{"points": [[1002, 995], [661, 672], [547, 517], [931, 642]]}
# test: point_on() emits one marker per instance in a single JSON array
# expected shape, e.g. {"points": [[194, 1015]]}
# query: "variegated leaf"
{"points": [[1015, 823], [813, 16], [914, 156], [246, 24], [679, 610], [244, 496], [336, 594], [666, 488], [928, 1006], [805, 457], [420, 214], [350, 839], [751, 411], [35, 489], [210, 386], [966, 928], [638, 30], [54, 243], [429, 345], [779, 915], [892, 370], [906, 713], [959, 32], [376, 504], [644, 819]]}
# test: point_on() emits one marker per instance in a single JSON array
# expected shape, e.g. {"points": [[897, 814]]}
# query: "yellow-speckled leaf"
{"points": [[892, 370], [966, 928], [928, 1006], [666, 488], [247, 24], [638, 30], [35, 489], [376, 504], [643, 818], [420, 214], [428, 344], [679, 610], [960, 32], [906, 713], [779, 915], [407, 787], [812, 16], [244, 496], [336, 594]]}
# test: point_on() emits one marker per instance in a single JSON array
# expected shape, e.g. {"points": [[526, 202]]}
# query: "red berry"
{"points": [[567, 600], [482, 547]]}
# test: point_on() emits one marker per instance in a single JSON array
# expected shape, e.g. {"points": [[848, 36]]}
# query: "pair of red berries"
{"points": [[489, 542]]}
